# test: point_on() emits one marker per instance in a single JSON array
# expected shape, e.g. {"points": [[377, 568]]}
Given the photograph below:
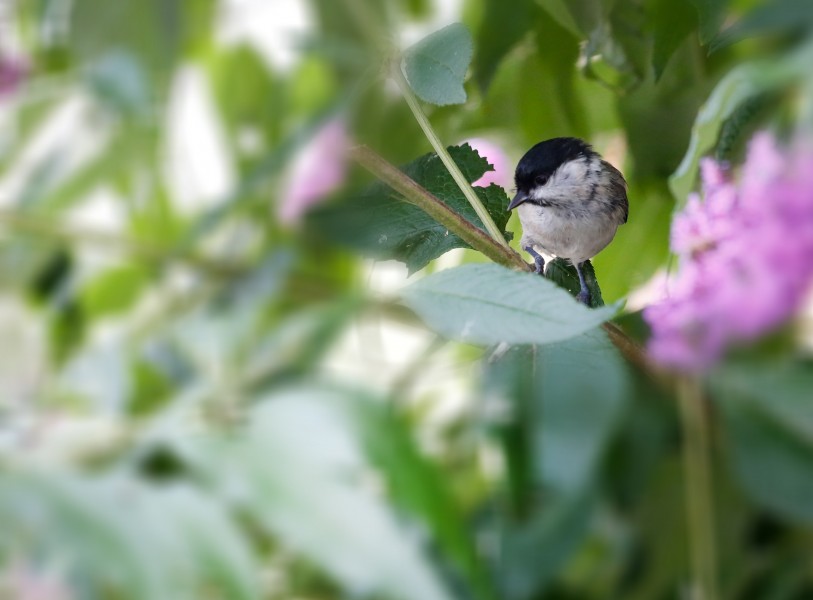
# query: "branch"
{"points": [[436, 208]]}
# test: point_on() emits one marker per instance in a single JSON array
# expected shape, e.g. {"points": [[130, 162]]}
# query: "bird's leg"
{"points": [[584, 293], [539, 262]]}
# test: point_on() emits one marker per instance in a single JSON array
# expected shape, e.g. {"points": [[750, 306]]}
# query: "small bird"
{"points": [[570, 203]]}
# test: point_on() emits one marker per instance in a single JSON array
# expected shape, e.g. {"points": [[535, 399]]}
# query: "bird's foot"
{"points": [[584, 297], [539, 265], [539, 262]]}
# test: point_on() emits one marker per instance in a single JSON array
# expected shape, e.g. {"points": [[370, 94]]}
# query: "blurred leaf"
{"points": [[436, 66], [155, 31], [711, 14], [532, 552], [122, 537], [741, 83], [552, 68], [250, 97], [379, 223], [119, 81], [578, 414], [670, 21], [580, 17], [489, 304], [629, 26], [769, 421], [419, 488], [564, 274], [500, 30], [319, 498], [568, 418], [114, 291], [775, 17]]}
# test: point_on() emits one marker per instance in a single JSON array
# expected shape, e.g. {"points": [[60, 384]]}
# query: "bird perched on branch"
{"points": [[570, 203]]}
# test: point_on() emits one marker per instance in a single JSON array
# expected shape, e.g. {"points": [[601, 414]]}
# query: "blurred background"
{"points": [[207, 388]]}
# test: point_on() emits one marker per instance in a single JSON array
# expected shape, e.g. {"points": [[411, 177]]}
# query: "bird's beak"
{"points": [[518, 199]]}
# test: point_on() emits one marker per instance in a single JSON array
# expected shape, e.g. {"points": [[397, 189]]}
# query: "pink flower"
{"points": [[318, 169], [746, 257], [503, 174], [13, 71]]}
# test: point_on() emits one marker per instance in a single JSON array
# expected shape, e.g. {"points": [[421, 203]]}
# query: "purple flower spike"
{"points": [[746, 257]]}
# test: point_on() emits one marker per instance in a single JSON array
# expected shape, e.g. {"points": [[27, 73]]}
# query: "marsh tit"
{"points": [[570, 203]]}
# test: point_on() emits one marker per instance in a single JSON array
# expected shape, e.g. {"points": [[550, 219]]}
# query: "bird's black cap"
{"points": [[544, 158]]}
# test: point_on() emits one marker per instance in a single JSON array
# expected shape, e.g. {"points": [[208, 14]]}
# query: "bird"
{"points": [[570, 203]]}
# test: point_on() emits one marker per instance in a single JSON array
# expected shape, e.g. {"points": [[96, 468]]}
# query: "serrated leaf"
{"points": [[489, 304], [436, 66], [379, 223]]}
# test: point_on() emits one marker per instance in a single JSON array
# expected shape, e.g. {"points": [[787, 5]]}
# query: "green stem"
{"points": [[699, 497], [444, 155]]}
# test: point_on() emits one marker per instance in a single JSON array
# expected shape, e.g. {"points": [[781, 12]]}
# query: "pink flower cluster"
{"points": [[318, 169], [746, 256], [13, 72]]}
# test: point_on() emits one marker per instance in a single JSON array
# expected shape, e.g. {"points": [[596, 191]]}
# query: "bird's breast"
{"points": [[561, 233]]}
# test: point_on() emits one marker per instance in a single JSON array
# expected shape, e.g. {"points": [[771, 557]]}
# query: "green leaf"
{"points": [[580, 17], [711, 14], [170, 542], [312, 496], [533, 551], [419, 488], [436, 66], [379, 223], [769, 421], [671, 22], [489, 304], [742, 83], [564, 274], [119, 81], [156, 31], [114, 291], [780, 16], [493, 43], [568, 418]]}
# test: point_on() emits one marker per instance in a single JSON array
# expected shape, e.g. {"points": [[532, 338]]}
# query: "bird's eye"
{"points": [[541, 179]]}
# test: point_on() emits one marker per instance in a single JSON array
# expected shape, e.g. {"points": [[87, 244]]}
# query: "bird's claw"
{"points": [[539, 266]]}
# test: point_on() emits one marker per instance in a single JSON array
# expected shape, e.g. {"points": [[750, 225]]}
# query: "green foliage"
{"points": [[769, 418], [489, 304], [435, 66], [199, 400], [379, 223]]}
